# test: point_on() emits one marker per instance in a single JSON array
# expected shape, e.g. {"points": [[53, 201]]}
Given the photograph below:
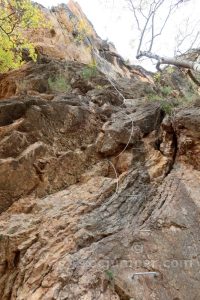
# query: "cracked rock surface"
{"points": [[96, 193]]}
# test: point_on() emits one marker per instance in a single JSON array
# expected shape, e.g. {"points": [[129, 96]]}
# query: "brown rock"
{"points": [[99, 197]]}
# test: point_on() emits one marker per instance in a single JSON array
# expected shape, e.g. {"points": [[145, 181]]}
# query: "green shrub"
{"points": [[154, 97], [89, 71], [58, 84], [109, 275], [189, 97], [166, 106], [110, 278], [83, 29], [170, 70], [166, 90], [157, 77]]}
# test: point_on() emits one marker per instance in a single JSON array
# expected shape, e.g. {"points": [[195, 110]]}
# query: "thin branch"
{"points": [[7, 17], [152, 31], [140, 10], [184, 34], [165, 22], [195, 39], [154, 36], [135, 14], [180, 42], [144, 29], [8, 33]]}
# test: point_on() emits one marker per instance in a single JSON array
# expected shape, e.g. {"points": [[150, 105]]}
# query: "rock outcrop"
{"points": [[71, 36], [99, 187]]}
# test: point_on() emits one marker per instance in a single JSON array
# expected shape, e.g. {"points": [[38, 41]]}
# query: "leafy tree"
{"points": [[16, 17]]}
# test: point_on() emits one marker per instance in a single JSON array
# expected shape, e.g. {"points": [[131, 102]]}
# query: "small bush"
{"points": [[170, 70], [110, 278], [109, 275], [89, 71], [157, 77], [166, 90], [189, 97], [58, 84], [83, 30], [154, 97], [166, 106]]}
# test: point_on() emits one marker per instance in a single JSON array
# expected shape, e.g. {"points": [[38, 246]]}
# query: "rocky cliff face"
{"points": [[71, 36], [99, 186]]}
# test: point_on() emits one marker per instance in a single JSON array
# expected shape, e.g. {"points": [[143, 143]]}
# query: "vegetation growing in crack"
{"points": [[163, 96], [110, 278], [110, 275], [89, 71], [167, 95], [59, 84], [165, 105], [82, 31]]}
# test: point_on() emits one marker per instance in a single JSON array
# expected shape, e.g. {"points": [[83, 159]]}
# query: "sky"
{"points": [[113, 21]]}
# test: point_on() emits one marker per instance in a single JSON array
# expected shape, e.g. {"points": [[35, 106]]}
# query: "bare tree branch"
{"points": [[171, 61], [151, 11], [147, 24], [165, 22], [195, 39], [135, 13], [153, 35]]}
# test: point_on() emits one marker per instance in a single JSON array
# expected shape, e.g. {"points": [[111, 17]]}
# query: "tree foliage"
{"points": [[16, 17]]}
